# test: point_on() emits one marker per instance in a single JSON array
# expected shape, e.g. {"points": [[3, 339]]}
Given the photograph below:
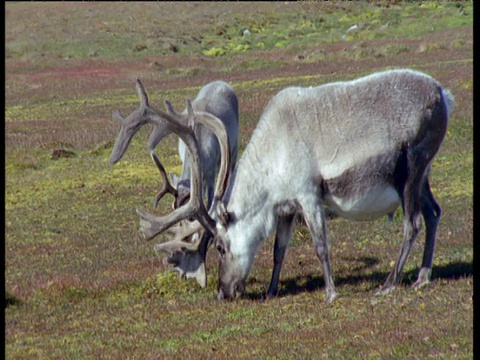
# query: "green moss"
{"points": [[467, 84], [215, 51], [165, 284]]}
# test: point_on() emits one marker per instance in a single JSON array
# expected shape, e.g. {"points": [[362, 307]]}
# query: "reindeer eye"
{"points": [[220, 249]]}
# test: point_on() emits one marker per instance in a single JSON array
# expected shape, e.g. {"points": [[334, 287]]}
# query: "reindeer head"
{"points": [[239, 234], [232, 272]]}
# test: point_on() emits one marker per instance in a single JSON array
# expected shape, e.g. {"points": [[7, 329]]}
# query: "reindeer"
{"points": [[362, 148], [188, 264], [216, 98]]}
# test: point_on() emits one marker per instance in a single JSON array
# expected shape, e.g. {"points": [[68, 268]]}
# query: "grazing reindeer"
{"points": [[216, 98], [362, 148]]}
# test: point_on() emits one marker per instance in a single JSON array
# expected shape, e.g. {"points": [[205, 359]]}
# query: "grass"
{"points": [[80, 283], [96, 32]]}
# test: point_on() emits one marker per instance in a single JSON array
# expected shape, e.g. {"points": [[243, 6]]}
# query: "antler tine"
{"points": [[142, 93], [116, 116], [180, 235], [169, 107], [167, 186], [131, 124]]}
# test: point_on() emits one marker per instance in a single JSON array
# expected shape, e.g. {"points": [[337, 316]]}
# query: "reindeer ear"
{"points": [[169, 107], [222, 214]]}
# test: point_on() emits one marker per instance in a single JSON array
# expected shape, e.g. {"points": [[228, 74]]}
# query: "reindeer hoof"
{"points": [[269, 295], [420, 283], [385, 290], [330, 296], [423, 278]]}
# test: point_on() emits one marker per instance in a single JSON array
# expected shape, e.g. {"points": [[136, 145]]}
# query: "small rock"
{"points": [[140, 47], [156, 64], [194, 38], [61, 153]]}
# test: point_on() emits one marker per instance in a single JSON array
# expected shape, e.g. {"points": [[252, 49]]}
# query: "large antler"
{"points": [[189, 245], [152, 225]]}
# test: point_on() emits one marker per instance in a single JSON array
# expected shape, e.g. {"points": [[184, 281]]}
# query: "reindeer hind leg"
{"points": [[412, 223], [431, 212]]}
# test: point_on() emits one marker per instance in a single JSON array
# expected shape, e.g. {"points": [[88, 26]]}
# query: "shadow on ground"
{"points": [[308, 284]]}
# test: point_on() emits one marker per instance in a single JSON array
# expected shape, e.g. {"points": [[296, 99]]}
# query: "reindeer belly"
{"points": [[378, 201]]}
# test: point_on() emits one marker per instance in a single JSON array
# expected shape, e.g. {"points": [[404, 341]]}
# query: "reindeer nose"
{"points": [[220, 295]]}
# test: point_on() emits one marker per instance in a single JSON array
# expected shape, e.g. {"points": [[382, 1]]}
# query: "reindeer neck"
{"points": [[248, 196]]}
